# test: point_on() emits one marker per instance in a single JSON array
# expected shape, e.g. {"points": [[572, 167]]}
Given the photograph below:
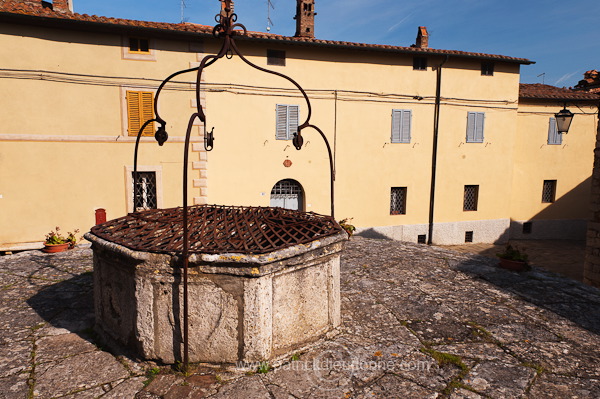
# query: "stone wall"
{"points": [[591, 273]]}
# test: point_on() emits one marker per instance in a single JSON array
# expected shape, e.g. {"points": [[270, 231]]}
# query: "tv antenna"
{"points": [[183, 5], [543, 75], [269, 22]]}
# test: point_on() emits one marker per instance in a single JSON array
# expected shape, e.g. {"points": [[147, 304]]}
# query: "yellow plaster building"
{"points": [[429, 145]]}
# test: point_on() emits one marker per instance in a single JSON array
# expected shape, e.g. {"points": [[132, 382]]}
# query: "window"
{"points": [[468, 236], [140, 108], [554, 137], [421, 239], [549, 191], [276, 57], [527, 227], [475, 124], [401, 121], [139, 45], [287, 194], [138, 48], [487, 68], [420, 63], [398, 201], [144, 191], [471, 198], [287, 121]]}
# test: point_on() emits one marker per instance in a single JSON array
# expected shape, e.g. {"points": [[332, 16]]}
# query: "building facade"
{"points": [[429, 145]]}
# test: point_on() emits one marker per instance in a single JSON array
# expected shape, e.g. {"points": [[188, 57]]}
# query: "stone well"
{"points": [[244, 306]]}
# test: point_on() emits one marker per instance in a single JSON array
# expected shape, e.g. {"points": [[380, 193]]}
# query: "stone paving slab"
{"points": [[418, 322]]}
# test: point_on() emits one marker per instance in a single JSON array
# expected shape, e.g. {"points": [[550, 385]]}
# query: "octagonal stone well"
{"points": [[262, 282]]}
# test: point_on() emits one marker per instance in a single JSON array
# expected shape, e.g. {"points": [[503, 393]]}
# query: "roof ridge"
{"points": [[8, 7]]}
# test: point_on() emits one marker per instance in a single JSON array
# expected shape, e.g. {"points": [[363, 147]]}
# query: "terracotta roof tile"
{"points": [[11, 7], [541, 91]]}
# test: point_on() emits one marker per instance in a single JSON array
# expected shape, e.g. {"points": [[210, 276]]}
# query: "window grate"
{"points": [[398, 201], [468, 236], [421, 238], [286, 187], [471, 198], [145, 191], [549, 191], [527, 227]]}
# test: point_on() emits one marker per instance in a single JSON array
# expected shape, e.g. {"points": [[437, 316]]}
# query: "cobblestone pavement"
{"points": [[418, 322]]}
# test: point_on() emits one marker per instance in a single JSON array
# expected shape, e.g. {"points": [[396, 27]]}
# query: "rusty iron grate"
{"points": [[217, 229]]}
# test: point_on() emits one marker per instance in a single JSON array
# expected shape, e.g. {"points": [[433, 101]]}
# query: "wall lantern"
{"points": [[563, 120]]}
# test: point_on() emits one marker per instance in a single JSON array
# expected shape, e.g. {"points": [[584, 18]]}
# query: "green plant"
{"points": [[263, 368], [513, 253], [347, 226], [55, 237]]}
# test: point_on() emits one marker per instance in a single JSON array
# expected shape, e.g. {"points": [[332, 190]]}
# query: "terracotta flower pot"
{"points": [[513, 265], [53, 248]]}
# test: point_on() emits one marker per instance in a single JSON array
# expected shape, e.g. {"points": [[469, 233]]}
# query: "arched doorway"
{"points": [[288, 194]]}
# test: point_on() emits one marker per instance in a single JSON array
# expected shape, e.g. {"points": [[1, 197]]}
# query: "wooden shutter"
{"points": [[293, 117], [405, 127], [288, 117], [401, 125], [475, 127], [554, 137], [140, 108], [480, 121], [396, 120], [281, 129]]}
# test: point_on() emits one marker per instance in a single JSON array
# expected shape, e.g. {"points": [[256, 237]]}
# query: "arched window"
{"points": [[288, 194]]}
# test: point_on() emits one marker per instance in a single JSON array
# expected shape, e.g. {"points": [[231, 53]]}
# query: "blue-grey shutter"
{"points": [[554, 137], [470, 127], [475, 125], [281, 128], [405, 127], [480, 118], [293, 118], [396, 119], [401, 123]]}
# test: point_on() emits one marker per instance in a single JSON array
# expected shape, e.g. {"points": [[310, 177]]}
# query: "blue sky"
{"points": [[560, 36]]}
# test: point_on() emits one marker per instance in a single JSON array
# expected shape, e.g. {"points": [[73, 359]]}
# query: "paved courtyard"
{"points": [[418, 322]]}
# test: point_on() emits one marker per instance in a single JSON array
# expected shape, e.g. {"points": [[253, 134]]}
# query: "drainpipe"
{"points": [[436, 124]]}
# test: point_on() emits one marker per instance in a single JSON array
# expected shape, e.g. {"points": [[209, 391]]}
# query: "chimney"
{"points": [[422, 38], [305, 18], [62, 5]]}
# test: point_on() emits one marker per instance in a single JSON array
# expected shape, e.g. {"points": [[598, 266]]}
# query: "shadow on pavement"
{"points": [[568, 298]]}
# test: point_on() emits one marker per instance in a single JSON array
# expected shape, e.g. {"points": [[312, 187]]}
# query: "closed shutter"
{"points": [[288, 117], [140, 108], [554, 137], [475, 127], [293, 117], [401, 125], [480, 121]]}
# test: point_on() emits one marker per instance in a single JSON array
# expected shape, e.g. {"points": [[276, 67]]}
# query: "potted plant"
{"points": [[513, 258], [56, 242], [345, 223]]}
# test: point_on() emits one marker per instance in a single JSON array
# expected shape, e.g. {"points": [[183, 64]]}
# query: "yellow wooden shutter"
{"points": [[140, 108]]}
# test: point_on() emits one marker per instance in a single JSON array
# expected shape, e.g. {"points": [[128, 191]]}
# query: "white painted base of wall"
{"points": [[559, 229], [484, 231]]}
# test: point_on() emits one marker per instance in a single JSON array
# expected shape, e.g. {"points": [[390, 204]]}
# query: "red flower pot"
{"points": [[53, 248]]}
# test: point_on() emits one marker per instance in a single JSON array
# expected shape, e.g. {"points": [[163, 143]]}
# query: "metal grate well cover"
{"points": [[217, 229]]}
